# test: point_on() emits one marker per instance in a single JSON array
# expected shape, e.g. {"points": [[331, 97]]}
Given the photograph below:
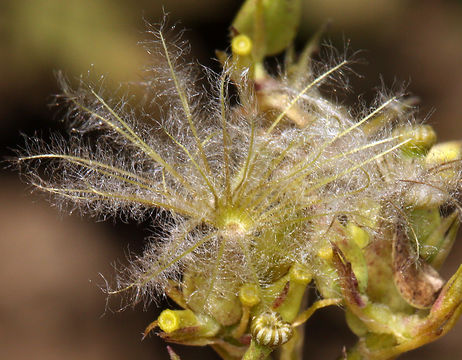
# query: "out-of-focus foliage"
{"points": [[70, 35]]}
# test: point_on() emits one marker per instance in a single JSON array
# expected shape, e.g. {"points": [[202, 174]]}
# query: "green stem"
{"points": [[257, 352]]}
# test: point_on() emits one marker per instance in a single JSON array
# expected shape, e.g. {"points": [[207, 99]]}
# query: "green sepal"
{"points": [[445, 236], [196, 291], [381, 287], [435, 234], [353, 253]]}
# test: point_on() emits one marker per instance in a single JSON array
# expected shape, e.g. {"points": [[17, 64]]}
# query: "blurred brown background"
{"points": [[50, 305]]}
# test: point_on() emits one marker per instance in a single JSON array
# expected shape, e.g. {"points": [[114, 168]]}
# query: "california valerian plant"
{"points": [[263, 185]]}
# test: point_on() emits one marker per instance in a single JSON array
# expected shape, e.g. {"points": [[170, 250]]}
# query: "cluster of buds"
{"points": [[264, 195]]}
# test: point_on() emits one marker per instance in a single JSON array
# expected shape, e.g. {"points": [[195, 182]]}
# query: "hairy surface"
{"points": [[247, 191]]}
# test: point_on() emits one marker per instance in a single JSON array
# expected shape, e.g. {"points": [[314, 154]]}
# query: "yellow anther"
{"points": [[326, 252], [249, 295], [358, 235], [169, 321], [241, 45], [300, 274]]}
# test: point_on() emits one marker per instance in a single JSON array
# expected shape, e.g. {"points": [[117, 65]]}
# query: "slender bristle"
{"points": [[249, 191]]}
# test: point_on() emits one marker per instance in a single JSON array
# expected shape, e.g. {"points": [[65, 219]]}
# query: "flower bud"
{"points": [[268, 329], [422, 138]]}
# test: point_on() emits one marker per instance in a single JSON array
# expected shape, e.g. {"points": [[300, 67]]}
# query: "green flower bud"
{"points": [[184, 324], [271, 24], [422, 138], [172, 320]]}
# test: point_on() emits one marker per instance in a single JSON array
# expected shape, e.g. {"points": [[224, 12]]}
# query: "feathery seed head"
{"points": [[262, 196]]}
